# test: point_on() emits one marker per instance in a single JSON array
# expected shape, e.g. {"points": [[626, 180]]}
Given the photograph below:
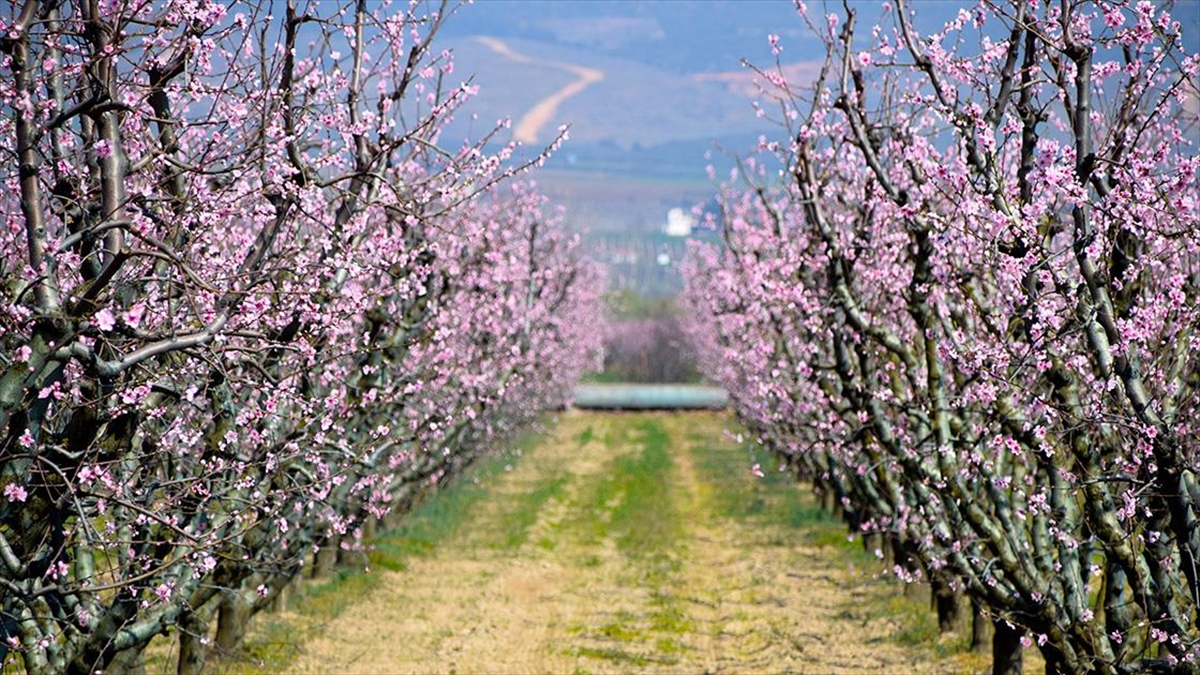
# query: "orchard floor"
{"points": [[633, 543]]}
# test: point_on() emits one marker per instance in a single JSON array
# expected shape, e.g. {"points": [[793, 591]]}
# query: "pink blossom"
{"points": [[57, 570], [1113, 16], [15, 493], [104, 319], [165, 591], [133, 316], [893, 395]]}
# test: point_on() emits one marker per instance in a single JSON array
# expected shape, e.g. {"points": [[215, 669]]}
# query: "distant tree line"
{"points": [[645, 342]]}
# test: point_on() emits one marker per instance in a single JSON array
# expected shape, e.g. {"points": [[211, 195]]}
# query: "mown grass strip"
{"points": [[433, 521], [647, 521], [636, 504], [512, 531], [276, 641], [779, 501], [736, 494]]}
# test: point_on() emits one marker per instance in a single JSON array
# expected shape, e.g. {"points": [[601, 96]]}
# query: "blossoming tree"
{"points": [[249, 302], [967, 305]]}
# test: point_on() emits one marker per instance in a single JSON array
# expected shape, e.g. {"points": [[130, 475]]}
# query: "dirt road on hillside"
{"points": [[640, 544], [543, 112]]}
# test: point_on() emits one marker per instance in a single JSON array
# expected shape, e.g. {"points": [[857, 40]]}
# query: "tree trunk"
{"points": [[1055, 663], [981, 628], [946, 601], [871, 541], [394, 518], [193, 632], [280, 602], [1118, 609], [232, 619], [350, 556], [887, 545], [326, 558], [1006, 649], [128, 662]]}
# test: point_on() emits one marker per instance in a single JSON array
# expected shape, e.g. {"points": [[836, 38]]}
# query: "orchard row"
{"points": [[962, 294], [249, 304]]}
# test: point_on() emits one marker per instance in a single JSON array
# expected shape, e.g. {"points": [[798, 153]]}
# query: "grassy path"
{"points": [[625, 543]]}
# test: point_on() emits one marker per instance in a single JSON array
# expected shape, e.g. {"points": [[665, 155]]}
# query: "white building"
{"points": [[679, 223]]}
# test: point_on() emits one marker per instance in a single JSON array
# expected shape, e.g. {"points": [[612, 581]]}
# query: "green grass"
{"points": [[586, 436], [275, 643], [793, 515], [629, 304], [647, 521], [668, 615], [774, 499], [435, 519], [620, 631], [636, 504], [620, 656], [513, 529], [602, 377], [918, 626], [431, 522]]}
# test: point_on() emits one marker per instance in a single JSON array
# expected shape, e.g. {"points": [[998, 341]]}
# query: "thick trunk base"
{"points": [[128, 662], [193, 653], [325, 561], [233, 619], [948, 604], [1006, 649], [981, 629]]}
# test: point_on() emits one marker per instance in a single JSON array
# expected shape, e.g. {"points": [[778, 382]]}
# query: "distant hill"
{"points": [[633, 109], [678, 36], [672, 89]]}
